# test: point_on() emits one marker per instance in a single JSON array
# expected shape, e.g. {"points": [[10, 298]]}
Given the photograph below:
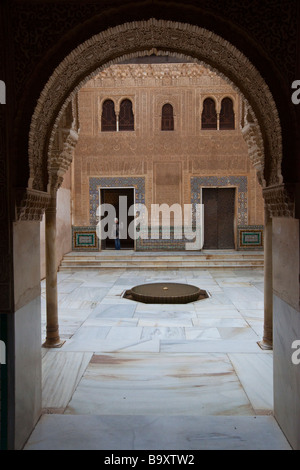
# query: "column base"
{"points": [[53, 344], [265, 345]]}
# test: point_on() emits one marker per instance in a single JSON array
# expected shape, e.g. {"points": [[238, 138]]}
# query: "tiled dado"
{"points": [[145, 244], [197, 182], [175, 242], [85, 238], [96, 183], [250, 237]]}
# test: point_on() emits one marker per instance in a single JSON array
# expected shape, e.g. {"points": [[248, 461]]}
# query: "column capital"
{"points": [[280, 200], [30, 204]]}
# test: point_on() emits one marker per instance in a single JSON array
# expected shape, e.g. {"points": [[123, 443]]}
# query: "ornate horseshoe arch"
{"points": [[262, 131]]}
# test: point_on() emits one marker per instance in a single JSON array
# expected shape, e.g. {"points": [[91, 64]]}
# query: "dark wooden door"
{"points": [[218, 218]]}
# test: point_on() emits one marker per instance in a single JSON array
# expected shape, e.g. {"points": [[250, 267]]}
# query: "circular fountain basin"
{"points": [[166, 293]]}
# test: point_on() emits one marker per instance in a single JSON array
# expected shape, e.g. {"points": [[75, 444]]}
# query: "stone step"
{"points": [[154, 267], [137, 260], [160, 261], [171, 257]]}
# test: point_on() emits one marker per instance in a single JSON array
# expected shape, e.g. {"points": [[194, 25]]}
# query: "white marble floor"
{"points": [[198, 364]]}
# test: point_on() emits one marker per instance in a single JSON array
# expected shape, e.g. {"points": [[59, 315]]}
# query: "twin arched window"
{"points": [[111, 122], [209, 118]]}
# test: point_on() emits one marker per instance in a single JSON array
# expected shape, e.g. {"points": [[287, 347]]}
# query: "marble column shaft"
{"points": [[267, 342], [52, 338]]}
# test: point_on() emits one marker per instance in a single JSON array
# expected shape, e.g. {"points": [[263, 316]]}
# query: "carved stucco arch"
{"points": [[160, 37]]}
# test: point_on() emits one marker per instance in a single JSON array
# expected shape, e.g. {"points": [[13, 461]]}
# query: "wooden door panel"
{"points": [[218, 218], [210, 201], [226, 218]]}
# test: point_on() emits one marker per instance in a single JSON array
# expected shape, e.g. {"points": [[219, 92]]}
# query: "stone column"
{"points": [[52, 331], [267, 341]]}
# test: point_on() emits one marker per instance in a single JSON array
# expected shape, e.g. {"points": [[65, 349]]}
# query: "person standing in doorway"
{"points": [[117, 235]]}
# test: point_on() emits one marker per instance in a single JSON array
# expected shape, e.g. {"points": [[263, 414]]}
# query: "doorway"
{"points": [[112, 196], [219, 208]]}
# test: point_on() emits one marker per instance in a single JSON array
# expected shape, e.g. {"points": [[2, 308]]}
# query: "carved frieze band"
{"points": [[280, 200]]}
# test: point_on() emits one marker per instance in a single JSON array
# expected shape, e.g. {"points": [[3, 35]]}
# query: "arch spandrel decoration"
{"points": [[145, 38]]}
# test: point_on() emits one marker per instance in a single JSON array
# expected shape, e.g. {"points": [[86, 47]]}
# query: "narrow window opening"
{"points": [[126, 117], [108, 117], [227, 114], [167, 118], [209, 114]]}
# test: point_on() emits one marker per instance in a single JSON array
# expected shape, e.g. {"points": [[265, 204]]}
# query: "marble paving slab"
{"points": [[202, 333], [62, 372], [110, 339], [250, 305], [257, 326], [243, 294], [163, 332], [219, 313], [88, 294], [161, 308], [106, 321], [144, 345], [86, 338], [69, 432], [217, 299], [113, 310], [155, 315], [254, 314], [210, 346], [219, 322], [66, 287], [163, 385], [165, 322], [238, 334], [131, 333], [255, 371]]}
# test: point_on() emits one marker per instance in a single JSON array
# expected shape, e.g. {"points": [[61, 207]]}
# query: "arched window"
{"points": [[209, 114], [167, 118], [108, 117], [126, 118], [227, 114]]}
